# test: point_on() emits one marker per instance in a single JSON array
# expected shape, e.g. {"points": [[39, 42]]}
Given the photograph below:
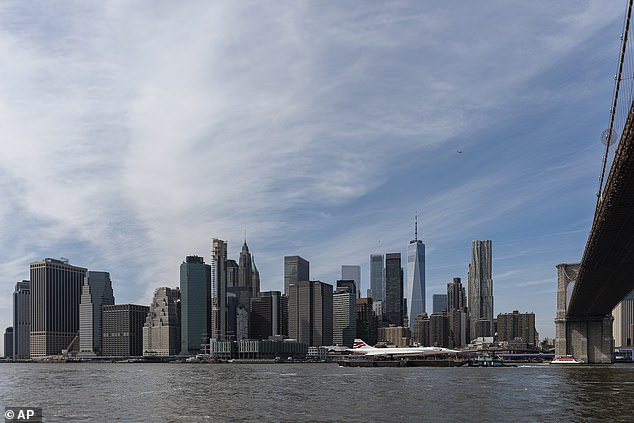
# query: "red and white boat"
{"points": [[568, 359]]}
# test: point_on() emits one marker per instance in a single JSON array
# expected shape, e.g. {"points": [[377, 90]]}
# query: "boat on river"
{"points": [[568, 359], [487, 359]]}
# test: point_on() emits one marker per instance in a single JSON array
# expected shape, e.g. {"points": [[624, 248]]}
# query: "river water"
{"points": [[109, 392]]}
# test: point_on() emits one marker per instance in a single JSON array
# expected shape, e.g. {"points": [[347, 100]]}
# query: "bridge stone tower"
{"points": [[588, 338]]}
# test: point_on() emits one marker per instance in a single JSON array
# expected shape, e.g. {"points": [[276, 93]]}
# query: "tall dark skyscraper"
{"points": [[439, 303], [195, 286], [245, 268], [310, 312], [248, 274], [96, 292], [456, 297], [352, 272], [367, 321], [55, 297], [219, 284], [232, 273], [481, 290], [8, 342], [21, 320], [458, 314], [393, 290], [296, 269], [267, 315]]}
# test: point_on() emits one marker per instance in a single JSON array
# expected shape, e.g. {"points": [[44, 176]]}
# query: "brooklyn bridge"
{"points": [[588, 291]]}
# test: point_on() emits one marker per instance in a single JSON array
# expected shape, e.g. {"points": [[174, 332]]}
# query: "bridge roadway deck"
{"points": [[606, 274]]}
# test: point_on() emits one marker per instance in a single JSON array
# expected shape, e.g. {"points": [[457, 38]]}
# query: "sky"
{"points": [[132, 133]]}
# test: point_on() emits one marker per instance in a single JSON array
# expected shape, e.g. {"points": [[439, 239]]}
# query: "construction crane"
{"points": [[68, 351]]}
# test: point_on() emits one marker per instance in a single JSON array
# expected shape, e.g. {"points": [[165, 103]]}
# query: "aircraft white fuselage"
{"points": [[361, 347]]}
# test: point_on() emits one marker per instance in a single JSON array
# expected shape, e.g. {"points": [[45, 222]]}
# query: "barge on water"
{"points": [[402, 362]]}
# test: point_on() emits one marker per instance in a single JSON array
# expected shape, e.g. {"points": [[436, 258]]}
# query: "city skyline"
{"points": [[114, 144]]}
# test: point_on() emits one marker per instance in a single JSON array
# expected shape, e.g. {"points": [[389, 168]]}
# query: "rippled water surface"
{"points": [[105, 392]]}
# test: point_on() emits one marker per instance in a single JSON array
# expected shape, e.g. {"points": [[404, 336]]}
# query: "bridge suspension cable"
{"points": [[620, 105]]}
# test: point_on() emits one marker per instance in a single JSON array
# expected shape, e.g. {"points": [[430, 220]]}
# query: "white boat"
{"points": [[568, 359]]}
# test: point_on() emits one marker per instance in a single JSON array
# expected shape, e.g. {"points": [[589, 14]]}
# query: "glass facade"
{"points": [[415, 280], [195, 286]]}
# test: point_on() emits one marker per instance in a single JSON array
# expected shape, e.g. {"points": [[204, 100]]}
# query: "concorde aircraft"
{"points": [[360, 347]]}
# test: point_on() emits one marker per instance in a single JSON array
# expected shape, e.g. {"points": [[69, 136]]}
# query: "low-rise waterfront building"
{"points": [[8, 342], [511, 326], [395, 335], [317, 353]]}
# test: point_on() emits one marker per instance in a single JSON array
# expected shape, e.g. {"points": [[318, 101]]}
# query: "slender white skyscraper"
{"points": [[415, 277]]}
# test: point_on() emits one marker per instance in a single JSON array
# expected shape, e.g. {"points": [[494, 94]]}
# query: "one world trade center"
{"points": [[415, 277]]}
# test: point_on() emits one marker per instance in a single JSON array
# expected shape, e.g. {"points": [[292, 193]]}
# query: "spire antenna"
{"points": [[416, 227]]}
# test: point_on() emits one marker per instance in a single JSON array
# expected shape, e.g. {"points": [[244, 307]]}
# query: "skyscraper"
{"points": [[195, 286], [310, 312], [623, 315], [439, 302], [438, 330], [377, 278], [367, 321], [255, 279], [55, 297], [296, 269], [219, 284], [267, 315], [415, 277], [162, 330], [393, 290], [350, 284], [481, 290], [344, 327], [352, 273], [421, 332], [457, 313], [245, 268], [517, 325], [456, 297], [122, 326], [21, 320], [96, 292], [8, 342]]}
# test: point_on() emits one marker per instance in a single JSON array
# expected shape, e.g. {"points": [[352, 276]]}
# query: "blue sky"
{"points": [[135, 132]]}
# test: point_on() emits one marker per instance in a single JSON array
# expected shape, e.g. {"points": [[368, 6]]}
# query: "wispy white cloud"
{"points": [[133, 133]]}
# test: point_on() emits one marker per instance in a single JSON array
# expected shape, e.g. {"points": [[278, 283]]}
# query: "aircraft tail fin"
{"points": [[359, 343]]}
